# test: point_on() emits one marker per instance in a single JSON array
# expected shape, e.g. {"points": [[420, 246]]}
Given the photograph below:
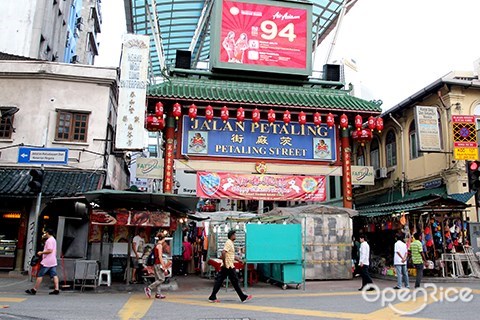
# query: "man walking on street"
{"points": [[364, 263], [48, 263], [228, 270], [418, 257], [159, 268], [400, 262], [138, 244]]}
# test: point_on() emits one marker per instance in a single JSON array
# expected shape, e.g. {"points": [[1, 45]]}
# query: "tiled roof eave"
{"points": [[261, 95]]}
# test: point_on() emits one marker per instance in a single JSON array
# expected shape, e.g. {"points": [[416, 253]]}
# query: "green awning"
{"points": [[260, 94], [109, 199], [432, 202]]}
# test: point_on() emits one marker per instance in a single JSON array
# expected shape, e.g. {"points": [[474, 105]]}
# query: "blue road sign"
{"points": [[42, 155]]}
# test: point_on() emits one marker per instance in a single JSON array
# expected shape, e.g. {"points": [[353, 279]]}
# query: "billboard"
{"points": [[265, 36], [132, 92], [465, 145], [428, 128]]}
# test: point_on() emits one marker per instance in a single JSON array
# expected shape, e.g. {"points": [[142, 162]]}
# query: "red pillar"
{"points": [[346, 154], [168, 156]]}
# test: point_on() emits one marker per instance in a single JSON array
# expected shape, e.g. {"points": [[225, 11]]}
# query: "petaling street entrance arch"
{"points": [[257, 141]]}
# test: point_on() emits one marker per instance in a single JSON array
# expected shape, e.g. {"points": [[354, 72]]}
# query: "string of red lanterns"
{"points": [[156, 122]]}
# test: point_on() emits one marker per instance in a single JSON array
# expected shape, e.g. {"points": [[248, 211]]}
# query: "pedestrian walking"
{"points": [[418, 257], [228, 270], [138, 245], [48, 265], [400, 262], [364, 263], [160, 269]]}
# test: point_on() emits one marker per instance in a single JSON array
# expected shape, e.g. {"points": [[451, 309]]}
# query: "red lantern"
{"points": [[224, 114], [240, 114], [379, 124], [343, 121], [154, 123], [271, 116], [330, 121], [159, 109], [358, 122], [302, 118], [177, 110], [209, 113], [192, 111], [287, 117], [317, 119], [362, 136], [255, 115], [371, 123]]}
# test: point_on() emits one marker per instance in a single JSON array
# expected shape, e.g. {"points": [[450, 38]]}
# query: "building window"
{"points": [[6, 127], [391, 148], [375, 154], [412, 134], [360, 155], [72, 126]]}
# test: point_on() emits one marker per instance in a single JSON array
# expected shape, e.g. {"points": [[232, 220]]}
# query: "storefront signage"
{"points": [[150, 168], [363, 176], [123, 217], [271, 36], [260, 187], [428, 128], [258, 140], [433, 184], [465, 145], [132, 92]]}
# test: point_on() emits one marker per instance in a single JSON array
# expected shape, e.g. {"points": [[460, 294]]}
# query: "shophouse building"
{"points": [[58, 119], [421, 178]]}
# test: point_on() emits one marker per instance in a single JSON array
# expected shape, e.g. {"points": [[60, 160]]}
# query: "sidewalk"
{"points": [[193, 283]]}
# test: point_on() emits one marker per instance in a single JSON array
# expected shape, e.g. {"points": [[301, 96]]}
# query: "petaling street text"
{"points": [[287, 152], [262, 128]]}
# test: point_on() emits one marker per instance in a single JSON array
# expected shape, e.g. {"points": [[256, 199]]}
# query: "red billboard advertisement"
{"points": [[264, 36], [219, 185]]}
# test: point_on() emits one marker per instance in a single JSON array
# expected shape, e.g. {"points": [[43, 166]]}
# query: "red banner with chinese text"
{"points": [[260, 187]]}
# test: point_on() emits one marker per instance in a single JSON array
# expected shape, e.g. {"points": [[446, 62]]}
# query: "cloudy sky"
{"points": [[400, 46]]}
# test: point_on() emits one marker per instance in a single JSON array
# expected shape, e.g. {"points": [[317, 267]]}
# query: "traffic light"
{"points": [[35, 184], [473, 168]]}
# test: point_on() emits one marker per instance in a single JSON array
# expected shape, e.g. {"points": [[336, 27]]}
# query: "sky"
{"points": [[400, 46]]}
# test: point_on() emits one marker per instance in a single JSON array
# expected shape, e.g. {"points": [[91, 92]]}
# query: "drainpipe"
{"points": [[402, 183]]}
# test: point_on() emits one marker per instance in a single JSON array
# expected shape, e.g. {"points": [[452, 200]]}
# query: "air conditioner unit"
{"points": [[381, 173]]}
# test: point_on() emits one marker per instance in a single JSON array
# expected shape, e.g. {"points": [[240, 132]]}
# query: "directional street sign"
{"points": [[42, 155]]}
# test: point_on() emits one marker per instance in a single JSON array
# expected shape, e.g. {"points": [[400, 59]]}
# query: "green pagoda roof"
{"points": [[261, 94]]}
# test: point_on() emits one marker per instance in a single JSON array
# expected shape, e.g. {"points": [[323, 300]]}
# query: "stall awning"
{"points": [[427, 203], [114, 199]]}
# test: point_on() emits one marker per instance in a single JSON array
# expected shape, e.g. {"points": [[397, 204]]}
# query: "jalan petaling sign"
{"points": [[258, 140]]}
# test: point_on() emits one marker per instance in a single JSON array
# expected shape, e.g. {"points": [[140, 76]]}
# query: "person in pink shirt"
{"points": [[48, 264]]}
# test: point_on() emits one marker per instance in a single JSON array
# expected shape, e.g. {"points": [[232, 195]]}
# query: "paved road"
{"points": [[319, 300]]}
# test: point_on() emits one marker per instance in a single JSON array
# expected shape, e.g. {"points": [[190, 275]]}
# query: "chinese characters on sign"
{"points": [[465, 146], [132, 92], [260, 140]]}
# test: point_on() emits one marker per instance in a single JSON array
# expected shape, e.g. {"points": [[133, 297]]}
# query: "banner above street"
{"points": [[260, 187]]}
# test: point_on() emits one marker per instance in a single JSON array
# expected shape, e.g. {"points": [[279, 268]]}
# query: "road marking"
{"points": [[290, 311], [8, 299], [135, 308]]}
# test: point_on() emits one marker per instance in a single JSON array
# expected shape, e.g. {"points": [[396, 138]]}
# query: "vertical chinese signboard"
{"points": [[465, 145], [132, 92], [262, 35]]}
